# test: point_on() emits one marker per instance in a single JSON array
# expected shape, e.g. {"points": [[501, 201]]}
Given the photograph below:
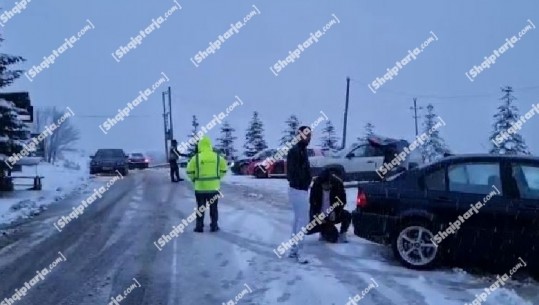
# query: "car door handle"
{"points": [[370, 161]]}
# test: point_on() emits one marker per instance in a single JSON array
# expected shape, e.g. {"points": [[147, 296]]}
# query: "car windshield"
{"points": [[109, 153]]}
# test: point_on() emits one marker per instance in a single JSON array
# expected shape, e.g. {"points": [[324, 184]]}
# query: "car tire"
{"points": [[259, 173], [413, 247], [124, 172], [243, 169]]}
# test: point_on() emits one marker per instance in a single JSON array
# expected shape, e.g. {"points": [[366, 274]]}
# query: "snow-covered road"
{"points": [[112, 244]]}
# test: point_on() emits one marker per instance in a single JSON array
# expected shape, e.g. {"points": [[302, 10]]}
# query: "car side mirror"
{"points": [[349, 155], [91, 157]]}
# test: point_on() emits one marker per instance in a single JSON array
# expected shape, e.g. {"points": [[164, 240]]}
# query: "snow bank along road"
{"points": [[111, 258]]}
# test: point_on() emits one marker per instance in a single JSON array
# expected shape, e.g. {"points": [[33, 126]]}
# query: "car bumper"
{"points": [[138, 164], [374, 227], [106, 168]]}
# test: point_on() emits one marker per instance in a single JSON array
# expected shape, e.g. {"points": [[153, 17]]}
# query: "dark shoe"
{"points": [[181, 179], [214, 229], [198, 230]]}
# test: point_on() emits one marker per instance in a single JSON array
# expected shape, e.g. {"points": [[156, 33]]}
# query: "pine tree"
{"points": [[12, 129], [292, 126], [194, 123], [434, 147], [254, 137], [504, 142], [329, 139], [225, 143], [369, 131]]}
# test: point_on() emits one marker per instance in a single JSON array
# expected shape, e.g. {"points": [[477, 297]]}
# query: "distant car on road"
{"points": [[362, 161], [468, 208], [138, 160], [109, 160]]}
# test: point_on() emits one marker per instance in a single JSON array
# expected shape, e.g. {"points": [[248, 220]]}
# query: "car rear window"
{"points": [[435, 180], [137, 155]]}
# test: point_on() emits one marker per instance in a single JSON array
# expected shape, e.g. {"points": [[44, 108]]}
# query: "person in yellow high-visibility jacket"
{"points": [[205, 170]]}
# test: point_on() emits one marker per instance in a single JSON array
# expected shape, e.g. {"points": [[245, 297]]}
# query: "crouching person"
{"points": [[329, 197]]}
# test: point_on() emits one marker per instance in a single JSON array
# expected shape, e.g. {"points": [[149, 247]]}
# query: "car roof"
{"points": [[110, 149], [489, 157]]}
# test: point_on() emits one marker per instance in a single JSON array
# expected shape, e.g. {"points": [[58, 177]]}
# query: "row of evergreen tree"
{"points": [[434, 148]]}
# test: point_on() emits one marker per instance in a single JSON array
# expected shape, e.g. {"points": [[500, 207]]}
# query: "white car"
{"points": [[370, 160]]}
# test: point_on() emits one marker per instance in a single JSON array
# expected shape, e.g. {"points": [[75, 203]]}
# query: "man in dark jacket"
{"points": [[173, 157], [329, 197], [299, 178]]}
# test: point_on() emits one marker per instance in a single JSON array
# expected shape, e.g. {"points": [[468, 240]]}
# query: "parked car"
{"points": [[109, 160], [138, 160], [266, 153], [266, 169], [431, 213], [364, 161]]}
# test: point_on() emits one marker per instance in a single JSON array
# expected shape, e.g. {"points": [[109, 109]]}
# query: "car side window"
{"points": [[527, 180], [359, 151], [372, 151], [474, 178], [435, 181]]}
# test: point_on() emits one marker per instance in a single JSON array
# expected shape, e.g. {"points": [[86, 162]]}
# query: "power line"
{"points": [[102, 116], [442, 97]]}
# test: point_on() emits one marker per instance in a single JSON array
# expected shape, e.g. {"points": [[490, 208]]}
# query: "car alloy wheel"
{"points": [[414, 246]]}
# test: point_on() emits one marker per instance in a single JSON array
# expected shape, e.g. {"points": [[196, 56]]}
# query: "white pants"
{"points": [[300, 204]]}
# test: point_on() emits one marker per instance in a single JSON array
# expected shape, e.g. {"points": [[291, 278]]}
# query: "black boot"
{"points": [[198, 230], [214, 228]]}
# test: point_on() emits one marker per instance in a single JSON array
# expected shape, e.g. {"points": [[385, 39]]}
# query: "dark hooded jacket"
{"points": [[298, 168]]}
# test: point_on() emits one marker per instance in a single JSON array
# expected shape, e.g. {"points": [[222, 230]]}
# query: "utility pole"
{"points": [[345, 113], [169, 93], [414, 108], [167, 118], [165, 121]]}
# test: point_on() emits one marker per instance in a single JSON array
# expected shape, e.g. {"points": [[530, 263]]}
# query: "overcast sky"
{"points": [[371, 37]]}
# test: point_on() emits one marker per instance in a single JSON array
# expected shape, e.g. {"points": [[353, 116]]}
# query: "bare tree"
{"points": [[63, 133]]}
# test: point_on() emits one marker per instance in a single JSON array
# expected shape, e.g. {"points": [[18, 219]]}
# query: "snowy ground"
{"points": [[114, 241], [348, 268], [60, 181]]}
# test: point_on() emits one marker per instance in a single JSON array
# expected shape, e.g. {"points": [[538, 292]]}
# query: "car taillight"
{"points": [[146, 160], [361, 201]]}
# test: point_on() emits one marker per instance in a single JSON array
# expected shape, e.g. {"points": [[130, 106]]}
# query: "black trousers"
{"points": [[174, 171], [211, 199], [329, 231]]}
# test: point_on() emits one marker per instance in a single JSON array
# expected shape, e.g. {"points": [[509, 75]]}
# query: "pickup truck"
{"points": [[369, 160]]}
